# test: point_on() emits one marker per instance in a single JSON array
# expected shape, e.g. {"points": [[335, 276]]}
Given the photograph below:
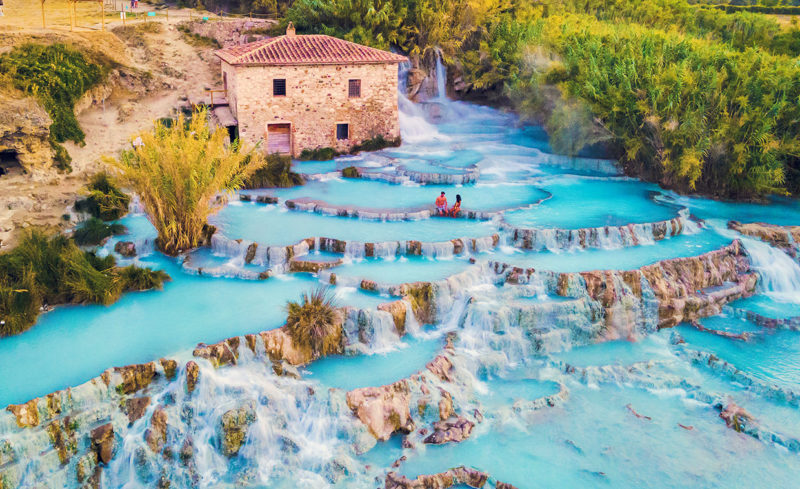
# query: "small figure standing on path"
{"points": [[441, 205], [456, 207]]}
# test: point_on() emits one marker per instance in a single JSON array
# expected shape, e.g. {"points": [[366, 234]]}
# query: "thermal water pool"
{"points": [[586, 203], [258, 222]]}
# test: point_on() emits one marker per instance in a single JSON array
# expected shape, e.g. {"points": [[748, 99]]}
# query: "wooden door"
{"points": [[279, 138]]}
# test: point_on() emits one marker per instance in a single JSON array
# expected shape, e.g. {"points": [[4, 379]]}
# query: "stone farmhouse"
{"points": [[296, 92]]}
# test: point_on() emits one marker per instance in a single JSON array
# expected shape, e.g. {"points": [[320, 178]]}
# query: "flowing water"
{"points": [[558, 399]]}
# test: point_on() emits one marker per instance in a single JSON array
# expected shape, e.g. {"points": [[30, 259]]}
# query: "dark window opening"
{"points": [[9, 163], [342, 131], [279, 87], [354, 89], [233, 132]]}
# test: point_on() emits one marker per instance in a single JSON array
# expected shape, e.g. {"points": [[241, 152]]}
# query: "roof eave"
{"points": [[316, 63]]}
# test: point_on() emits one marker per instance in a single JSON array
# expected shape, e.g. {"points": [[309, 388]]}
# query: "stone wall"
{"points": [[316, 100]]}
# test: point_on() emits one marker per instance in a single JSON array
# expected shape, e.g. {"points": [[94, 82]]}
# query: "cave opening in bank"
{"points": [[9, 163]]}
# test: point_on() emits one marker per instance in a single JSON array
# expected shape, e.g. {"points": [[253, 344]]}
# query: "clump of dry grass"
{"points": [[312, 322]]}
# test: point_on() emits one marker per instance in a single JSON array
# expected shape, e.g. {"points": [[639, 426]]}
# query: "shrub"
{"points": [[351, 172], [132, 278], [49, 271], [317, 154], [374, 144], [179, 171], [276, 172], [312, 323], [104, 199], [94, 231]]}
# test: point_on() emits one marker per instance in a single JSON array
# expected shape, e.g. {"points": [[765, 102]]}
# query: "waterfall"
{"points": [[441, 77], [414, 128], [780, 275], [293, 433]]}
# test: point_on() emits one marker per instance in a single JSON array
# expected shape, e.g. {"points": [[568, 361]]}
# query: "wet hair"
{"points": [[442, 193], [458, 197]]}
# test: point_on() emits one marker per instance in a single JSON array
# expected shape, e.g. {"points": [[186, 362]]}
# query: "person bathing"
{"points": [[441, 205], [456, 207]]}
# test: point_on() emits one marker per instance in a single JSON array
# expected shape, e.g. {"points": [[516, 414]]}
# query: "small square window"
{"points": [[354, 89], [342, 131], [279, 87]]}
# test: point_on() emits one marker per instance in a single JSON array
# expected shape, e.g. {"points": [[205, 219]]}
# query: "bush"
{"points": [[312, 323], [61, 156], [105, 200], [179, 171], [318, 154], [375, 144], [351, 172], [277, 172], [57, 75], [94, 231], [132, 278], [49, 271]]}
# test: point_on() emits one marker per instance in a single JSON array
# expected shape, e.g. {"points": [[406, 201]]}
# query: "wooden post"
{"points": [[69, 11], [44, 26], [167, 15], [102, 15]]}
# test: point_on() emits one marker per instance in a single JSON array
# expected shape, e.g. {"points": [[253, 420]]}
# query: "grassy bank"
{"points": [[46, 271]]}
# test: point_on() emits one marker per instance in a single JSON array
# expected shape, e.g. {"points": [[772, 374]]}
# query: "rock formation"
{"points": [[25, 131], [782, 237], [233, 428]]}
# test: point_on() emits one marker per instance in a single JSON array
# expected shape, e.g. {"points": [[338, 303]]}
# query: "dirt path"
{"points": [[183, 70]]}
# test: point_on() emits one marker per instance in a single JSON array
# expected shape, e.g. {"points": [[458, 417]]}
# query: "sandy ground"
{"points": [[42, 200]]}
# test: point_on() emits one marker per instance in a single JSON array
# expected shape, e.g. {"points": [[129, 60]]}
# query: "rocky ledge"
{"points": [[599, 237], [460, 475], [782, 237], [682, 289]]}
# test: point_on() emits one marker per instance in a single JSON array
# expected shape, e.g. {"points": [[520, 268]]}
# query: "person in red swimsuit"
{"points": [[456, 207]]}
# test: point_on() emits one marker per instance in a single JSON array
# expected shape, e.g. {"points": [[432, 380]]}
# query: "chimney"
{"points": [[290, 30]]}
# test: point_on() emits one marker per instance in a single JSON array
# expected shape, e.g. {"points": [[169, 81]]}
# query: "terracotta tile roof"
{"points": [[305, 50]]}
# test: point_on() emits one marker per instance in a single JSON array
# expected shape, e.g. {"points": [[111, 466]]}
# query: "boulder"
{"points": [[398, 311], [156, 434], [219, 354], [27, 414], [102, 439], [170, 368], [192, 373], [452, 430], [383, 410], [135, 377], [125, 248], [233, 428], [135, 408]]}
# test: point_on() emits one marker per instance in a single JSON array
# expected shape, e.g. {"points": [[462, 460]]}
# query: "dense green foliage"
{"points": [[318, 154], [57, 75], [104, 199], [93, 231], [276, 172], [312, 322], [46, 271], [374, 144]]}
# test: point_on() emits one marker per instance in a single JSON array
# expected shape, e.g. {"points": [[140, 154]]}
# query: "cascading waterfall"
{"points": [[441, 77], [779, 273], [295, 437]]}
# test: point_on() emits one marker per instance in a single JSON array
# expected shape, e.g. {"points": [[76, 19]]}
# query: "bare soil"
{"points": [[179, 70]]}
